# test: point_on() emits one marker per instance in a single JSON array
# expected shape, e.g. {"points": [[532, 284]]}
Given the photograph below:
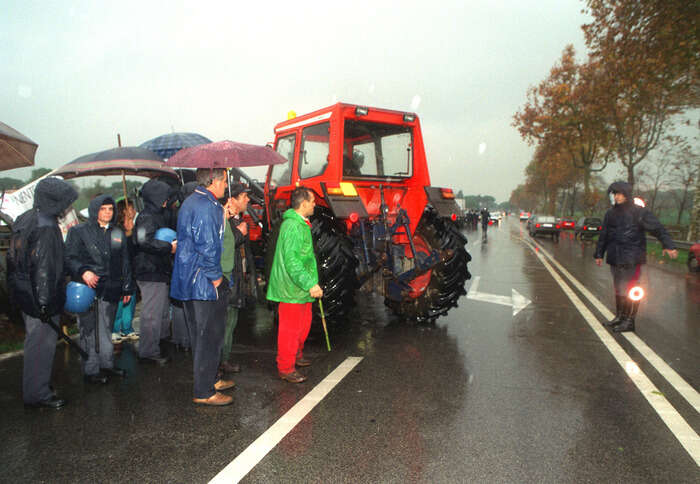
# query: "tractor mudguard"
{"points": [[342, 205], [444, 207]]}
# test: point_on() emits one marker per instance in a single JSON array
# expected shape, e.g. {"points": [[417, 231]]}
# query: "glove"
{"points": [[44, 315]]}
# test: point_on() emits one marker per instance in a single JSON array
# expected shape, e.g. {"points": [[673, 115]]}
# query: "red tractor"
{"points": [[379, 225]]}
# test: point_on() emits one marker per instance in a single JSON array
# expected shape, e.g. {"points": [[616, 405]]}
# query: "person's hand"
{"points": [[126, 299], [217, 282], [671, 253], [316, 292], [228, 208], [242, 228], [44, 315], [599, 262], [174, 246], [91, 279]]}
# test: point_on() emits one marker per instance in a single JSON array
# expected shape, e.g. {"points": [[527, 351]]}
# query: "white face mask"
{"points": [[612, 198]]}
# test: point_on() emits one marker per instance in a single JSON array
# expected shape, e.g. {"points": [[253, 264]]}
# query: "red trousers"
{"points": [[294, 325]]}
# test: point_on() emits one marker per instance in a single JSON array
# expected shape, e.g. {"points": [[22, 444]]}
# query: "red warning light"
{"points": [[636, 293], [453, 217], [354, 217]]}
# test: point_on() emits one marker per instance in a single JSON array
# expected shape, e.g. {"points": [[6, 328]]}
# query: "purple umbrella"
{"points": [[225, 154]]}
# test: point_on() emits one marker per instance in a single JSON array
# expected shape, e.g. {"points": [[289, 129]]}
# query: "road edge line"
{"points": [[239, 467], [680, 429]]}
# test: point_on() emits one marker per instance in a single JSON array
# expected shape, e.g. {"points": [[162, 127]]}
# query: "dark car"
{"points": [[543, 224], [588, 227]]}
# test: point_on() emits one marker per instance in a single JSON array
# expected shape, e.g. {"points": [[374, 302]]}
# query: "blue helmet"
{"points": [[166, 235], [79, 297]]}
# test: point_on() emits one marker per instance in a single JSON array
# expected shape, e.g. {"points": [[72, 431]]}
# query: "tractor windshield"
{"points": [[282, 174], [377, 150]]}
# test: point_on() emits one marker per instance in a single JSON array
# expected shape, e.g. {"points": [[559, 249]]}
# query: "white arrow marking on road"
{"points": [[517, 300]]}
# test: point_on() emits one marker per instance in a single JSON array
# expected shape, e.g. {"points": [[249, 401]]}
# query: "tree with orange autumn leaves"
{"points": [[562, 115]]}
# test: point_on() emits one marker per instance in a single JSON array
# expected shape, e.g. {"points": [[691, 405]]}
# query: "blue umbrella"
{"points": [[168, 144]]}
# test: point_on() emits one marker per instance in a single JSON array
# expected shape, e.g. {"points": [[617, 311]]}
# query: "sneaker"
{"points": [[116, 338], [133, 336]]}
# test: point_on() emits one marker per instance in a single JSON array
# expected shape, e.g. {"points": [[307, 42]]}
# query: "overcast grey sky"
{"points": [[74, 74]]}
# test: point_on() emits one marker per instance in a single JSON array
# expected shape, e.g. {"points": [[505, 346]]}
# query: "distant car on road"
{"points": [[525, 216], [694, 258], [567, 224], [588, 227], [543, 224]]}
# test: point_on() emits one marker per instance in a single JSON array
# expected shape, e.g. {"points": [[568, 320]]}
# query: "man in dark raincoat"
{"points": [[152, 269], [97, 255], [623, 239], [37, 284]]}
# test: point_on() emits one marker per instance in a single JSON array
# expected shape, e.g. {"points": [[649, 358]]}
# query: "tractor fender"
{"points": [[444, 207]]}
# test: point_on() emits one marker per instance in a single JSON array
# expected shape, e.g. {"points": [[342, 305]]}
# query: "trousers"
{"points": [[231, 322], [154, 302], [625, 277], [39, 350], [205, 322], [294, 326], [180, 334], [125, 314], [96, 325]]}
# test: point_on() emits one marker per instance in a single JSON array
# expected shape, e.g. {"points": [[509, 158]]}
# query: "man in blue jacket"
{"points": [[197, 281], [624, 241]]}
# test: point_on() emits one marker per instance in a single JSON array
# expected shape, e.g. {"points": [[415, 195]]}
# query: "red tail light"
{"points": [[585, 227], [600, 227], [558, 227], [354, 217], [453, 217], [636, 293], [537, 225]]}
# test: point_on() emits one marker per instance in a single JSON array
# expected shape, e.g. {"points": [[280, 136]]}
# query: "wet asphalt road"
{"points": [[481, 396]]}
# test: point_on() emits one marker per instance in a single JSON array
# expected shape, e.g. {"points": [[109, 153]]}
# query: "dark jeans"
{"points": [[39, 351], [206, 321], [625, 277]]}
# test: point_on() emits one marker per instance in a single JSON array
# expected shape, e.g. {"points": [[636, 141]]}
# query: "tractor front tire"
{"points": [[447, 279]]}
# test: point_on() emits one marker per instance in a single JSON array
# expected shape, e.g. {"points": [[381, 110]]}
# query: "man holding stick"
{"points": [[294, 284]]}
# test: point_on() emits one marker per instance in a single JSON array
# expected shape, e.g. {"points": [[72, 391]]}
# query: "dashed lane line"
{"points": [[683, 432], [674, 379], [254, 453]]}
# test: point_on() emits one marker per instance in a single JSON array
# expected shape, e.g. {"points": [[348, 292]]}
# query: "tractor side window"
{"points": [[398, 154], [282, 174], [313, 156]]}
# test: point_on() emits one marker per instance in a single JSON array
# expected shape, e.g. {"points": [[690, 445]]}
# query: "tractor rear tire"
{"points": [[336, 267], [447, 279]]}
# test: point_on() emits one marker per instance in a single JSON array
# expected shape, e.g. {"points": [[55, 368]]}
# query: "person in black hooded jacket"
{"points": [[97, 254], [624, 241], [153, 266], [37, 284]]}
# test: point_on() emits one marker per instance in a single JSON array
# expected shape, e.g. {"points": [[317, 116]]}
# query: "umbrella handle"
{"points": [[126, 198]]}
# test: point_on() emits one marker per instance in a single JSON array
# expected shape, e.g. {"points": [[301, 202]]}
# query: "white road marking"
{"points": [[516, 300], [690, 394], [254, 453], [683, 432]]}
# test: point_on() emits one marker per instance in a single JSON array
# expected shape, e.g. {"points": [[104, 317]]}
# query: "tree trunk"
{"points": [[630, 175], [573, 200], [587, 191], [681, 208], [694, 229]]}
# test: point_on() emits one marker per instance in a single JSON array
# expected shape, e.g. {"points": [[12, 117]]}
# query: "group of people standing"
{"points": [[198, 276]]}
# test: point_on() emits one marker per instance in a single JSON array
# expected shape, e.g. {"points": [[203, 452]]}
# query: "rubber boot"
{"points": [[627, 323], [619, 303]]}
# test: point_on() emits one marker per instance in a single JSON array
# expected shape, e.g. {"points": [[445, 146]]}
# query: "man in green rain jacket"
{"points": [[294, 284]]}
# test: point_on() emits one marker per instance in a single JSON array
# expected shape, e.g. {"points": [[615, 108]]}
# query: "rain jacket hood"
{"points": [[155, 193], [53, 196], [97, 202], [621, 187], [294, 269]]}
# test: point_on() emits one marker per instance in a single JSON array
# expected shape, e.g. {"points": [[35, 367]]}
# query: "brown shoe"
{"points": [[222, 385], [293, 377], [217, 400], [303, 362], [230, 367]]}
